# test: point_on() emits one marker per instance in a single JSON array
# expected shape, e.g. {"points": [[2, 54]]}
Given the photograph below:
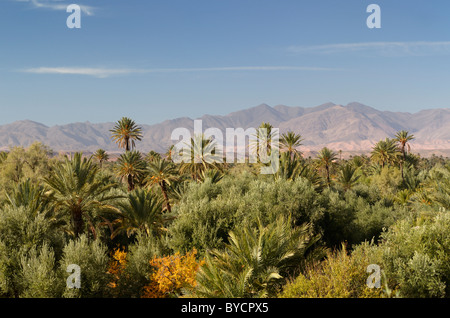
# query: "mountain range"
{"points": [[353, 128]]}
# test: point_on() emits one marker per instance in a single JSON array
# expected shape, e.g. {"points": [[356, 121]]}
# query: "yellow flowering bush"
{"points": [[171, 274], [117, 266]]}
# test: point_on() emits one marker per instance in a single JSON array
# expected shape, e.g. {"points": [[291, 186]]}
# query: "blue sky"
{"points": [[158, 60]]}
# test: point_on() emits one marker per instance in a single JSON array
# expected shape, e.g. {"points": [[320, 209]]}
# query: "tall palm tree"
{"points": [[289, 142], [101, 155], [385, 152], [125, 133], [169, 152], [326, 159], [130, 166], [403, 137], [74, 190], [162, 173], [263, 139], [140, 210], [200, 156]]}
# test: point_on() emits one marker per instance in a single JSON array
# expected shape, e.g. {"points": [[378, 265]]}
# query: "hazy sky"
{"points": [[157, 60]]}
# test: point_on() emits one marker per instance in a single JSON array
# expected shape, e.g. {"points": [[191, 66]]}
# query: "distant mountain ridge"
{"points": [[351, 128]]}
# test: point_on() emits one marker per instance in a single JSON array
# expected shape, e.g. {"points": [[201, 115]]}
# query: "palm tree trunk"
{"points": [[127, 144], [77, 219], [328, 174], [130, 183], [164, 192]]}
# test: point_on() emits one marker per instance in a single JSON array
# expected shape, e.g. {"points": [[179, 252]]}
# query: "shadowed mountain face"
{"points": [[354, 127]]}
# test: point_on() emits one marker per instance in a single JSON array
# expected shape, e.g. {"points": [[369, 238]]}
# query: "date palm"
{"points": [[289, 142], [140, 210], [263, 140], [199, 156], [256, 259], [326, 159], [385, 152], [28, 195], [152, 155], [403, 137], [162, 172], [347, 176], [125, 133], [74, 189], [290, 167], [131, 167], [101, 155]]}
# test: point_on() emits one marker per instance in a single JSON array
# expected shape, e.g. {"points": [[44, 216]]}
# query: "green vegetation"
{"points": [[143, 226]]}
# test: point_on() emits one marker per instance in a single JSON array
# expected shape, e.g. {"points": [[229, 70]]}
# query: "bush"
{"points": [[208, 211], [415, 255], [171, 275], [135, 270], [340, 275], [39, 277], [21, 232], [92, 258]]}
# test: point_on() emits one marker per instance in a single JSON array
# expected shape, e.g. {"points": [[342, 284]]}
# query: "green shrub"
{"points": [[92, 258], [340, 275], [415, 255], [21, 231], [39, 276], [208, 211]]}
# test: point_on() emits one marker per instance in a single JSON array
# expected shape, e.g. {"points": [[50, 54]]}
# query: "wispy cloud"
{"points": [[107, 72], [57, 5], [417, 48]]}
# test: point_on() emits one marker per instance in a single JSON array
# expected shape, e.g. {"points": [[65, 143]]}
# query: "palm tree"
{"points": [[169, 152], [152, 155], [163, 173], [263, 140], [326, 158], [73, 189], [402, 138], [130, 166], [385, 152], [125, 133], [347, 177], [101, 155], [200, 156], [290, 167], [141, 210], [213, 175], [28, 195], [256, 259], [290, 141]]}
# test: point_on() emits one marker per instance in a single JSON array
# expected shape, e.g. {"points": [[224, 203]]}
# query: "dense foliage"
{"points": [[142, 226]]}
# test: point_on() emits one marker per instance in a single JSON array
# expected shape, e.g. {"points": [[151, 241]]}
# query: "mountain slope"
{"points": [[354, 127]]}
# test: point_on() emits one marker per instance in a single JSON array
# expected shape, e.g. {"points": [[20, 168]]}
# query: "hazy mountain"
{"points": [[354, 127]]}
